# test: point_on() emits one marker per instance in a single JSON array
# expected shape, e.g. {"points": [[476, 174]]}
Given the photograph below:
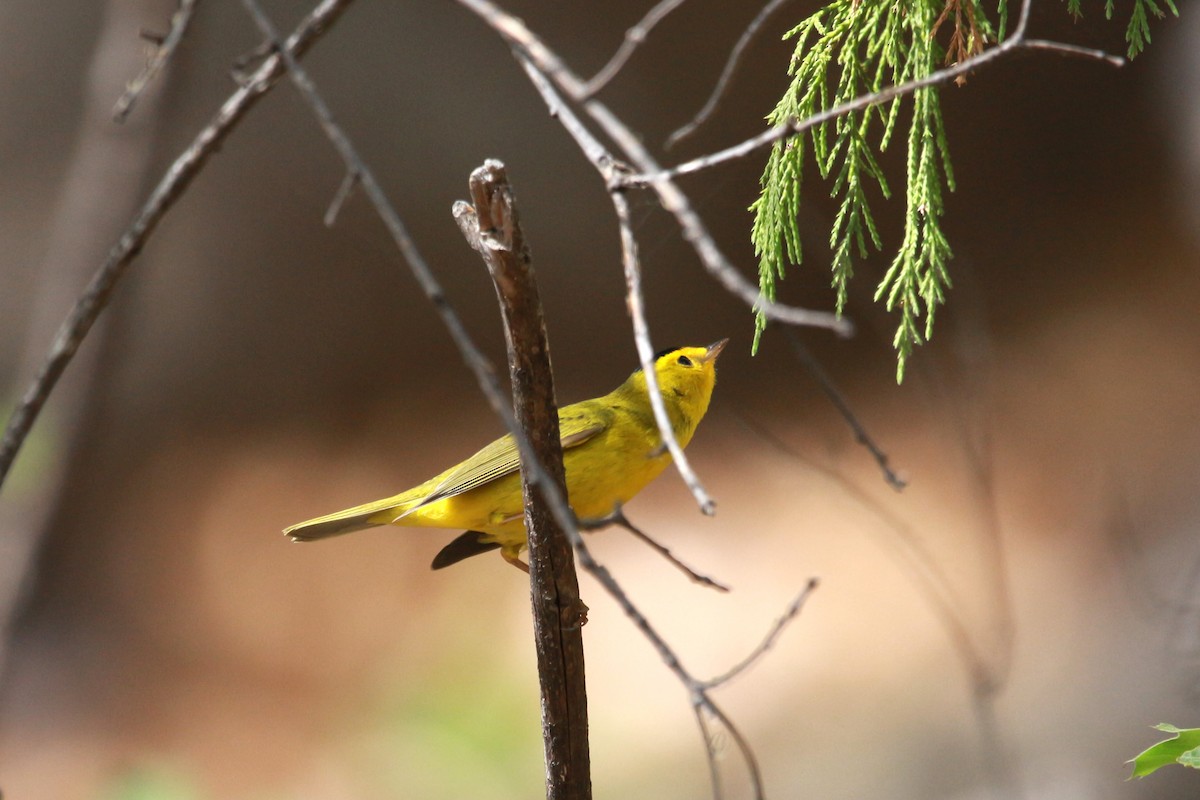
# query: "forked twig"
{"points": [[839, 402], [698, 691], [163, 50], [617, 517], [718, 91], [768, 641], [634, 37], [345, 188]]}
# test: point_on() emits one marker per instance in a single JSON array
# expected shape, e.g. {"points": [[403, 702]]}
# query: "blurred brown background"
{"points": [[257, 369]]}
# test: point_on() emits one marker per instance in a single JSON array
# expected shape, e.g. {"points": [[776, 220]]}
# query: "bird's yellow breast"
{"points": [[607, 470]]}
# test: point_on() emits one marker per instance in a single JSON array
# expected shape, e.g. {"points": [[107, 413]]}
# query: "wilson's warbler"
{"points": [[611, 451]]}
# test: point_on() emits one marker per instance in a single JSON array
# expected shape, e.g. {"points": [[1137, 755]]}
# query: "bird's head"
{"points": [[686, 376]]}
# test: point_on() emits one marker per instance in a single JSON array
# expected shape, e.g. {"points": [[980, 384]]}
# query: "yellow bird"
{"points": [[611, 451]]}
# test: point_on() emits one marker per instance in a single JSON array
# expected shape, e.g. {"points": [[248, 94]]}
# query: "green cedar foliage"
{"points": [[851, 48]]}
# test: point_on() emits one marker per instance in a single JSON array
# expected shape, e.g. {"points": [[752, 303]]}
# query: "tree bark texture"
{"points": [[558, 613]]}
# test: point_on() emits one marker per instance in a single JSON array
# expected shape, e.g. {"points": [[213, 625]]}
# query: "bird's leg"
{"points": [[513, 559]]}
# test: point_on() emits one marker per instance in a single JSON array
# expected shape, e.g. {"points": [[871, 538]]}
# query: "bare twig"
{"points": [[636, 302], [633, 38], [494, 230], [617, 517], [911, 554], [345, 188], [839, 402], [718, 91], [712, 756], [163, 50], [169, 189], [608, 168], [769, 640], [1074, 50], [1017, 41]]}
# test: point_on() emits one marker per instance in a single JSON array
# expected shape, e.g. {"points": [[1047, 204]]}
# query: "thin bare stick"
{"points": [[1016, 41], [633, 38], [169, 189], [164, 49], [1074, 50], [613, 173], [731, 64], [617, 517], [839, 402], [641, 333], [769, 640], [347, 185], [710, 751]]}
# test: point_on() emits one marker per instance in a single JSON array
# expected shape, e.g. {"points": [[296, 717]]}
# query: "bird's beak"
{"points": [[714, 350]]}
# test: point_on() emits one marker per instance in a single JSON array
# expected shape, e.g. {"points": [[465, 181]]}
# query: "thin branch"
{"points": [[769, 640], [710, 751], [615, 173], [1074, 50], [636, 302], [1017, 41], [731, 64], [163, 50], [617, 517], [169, 189], [634, 37], [839, 402], [345, 188], [911, 554]]}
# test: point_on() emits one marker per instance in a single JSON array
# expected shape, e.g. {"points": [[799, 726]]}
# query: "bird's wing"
{"points": [[576, 426]]}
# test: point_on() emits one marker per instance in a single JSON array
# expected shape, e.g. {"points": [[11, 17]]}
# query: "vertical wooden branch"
{"points": [[493, 228]]}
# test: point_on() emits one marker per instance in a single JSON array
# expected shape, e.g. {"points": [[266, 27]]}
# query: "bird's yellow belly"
{"points": [[594, 487]]}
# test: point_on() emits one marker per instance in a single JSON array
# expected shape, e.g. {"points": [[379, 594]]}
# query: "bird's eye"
{"points": [[685, 361]]}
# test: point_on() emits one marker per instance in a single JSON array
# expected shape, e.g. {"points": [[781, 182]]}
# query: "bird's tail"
{"points": [[358, 518]]}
